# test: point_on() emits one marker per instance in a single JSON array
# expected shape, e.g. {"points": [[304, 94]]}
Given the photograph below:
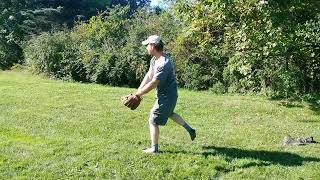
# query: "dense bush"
{"points": [[21, 19], [10, 53], [142, 25], [55, 55], [259, 46], [236, 46], [107, 49]]}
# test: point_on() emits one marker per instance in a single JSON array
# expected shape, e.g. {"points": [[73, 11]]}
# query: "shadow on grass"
{"points": [[315, 108], [267, 157], [308, 121], [313, 103], [288, 103]]}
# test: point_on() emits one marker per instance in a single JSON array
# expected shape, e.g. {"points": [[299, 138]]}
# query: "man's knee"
{"points": [[152, 122], [173, 115]]}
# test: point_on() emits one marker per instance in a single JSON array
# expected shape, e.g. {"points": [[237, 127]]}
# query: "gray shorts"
{"points": [[163, 108]]}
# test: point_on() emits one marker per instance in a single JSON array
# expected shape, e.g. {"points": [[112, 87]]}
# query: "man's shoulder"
{"points": [[160, 62], [166, 60], [152, 60], [163, 62]]}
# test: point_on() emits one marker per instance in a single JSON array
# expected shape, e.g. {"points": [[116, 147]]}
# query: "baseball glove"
{"points": [[132, 101]]}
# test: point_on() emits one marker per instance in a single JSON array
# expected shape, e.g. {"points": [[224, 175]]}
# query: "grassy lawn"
{"points": [[57, 130]]}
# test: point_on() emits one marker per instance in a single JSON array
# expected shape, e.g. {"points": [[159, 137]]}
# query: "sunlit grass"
{"points": [[54, 129]]}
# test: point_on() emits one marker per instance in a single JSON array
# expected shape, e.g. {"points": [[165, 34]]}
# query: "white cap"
{"points": [[154, 39]]}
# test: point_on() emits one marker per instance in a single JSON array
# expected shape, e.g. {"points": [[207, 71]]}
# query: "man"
{"points": [[161, 75]]}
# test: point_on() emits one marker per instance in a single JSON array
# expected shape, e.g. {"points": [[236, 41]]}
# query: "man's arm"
{"points": [[148, 87], [145, 80]]}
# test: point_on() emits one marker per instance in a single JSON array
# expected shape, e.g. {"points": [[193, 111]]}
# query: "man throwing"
{"points": [[161, 75]]}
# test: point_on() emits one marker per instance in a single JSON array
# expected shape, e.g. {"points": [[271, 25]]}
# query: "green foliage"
{"points": [[254, 46], [308, 52], [10, 53], [268, 46], [17, 21], [22, 19], [218, 88], [55, 55], [142, 25], [259, 45], [197, 45], [108, 47], [101, 42]]}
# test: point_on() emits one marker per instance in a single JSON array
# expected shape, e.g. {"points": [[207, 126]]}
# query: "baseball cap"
{"points": [[154, 39]]}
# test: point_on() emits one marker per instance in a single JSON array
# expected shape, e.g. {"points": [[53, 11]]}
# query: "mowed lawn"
{"points": [[57, 130]]}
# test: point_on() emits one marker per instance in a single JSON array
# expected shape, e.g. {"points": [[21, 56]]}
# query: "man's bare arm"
{"points": [[148, 87], [145, 80]]}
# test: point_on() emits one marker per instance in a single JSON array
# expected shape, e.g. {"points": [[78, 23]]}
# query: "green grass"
{"points": [[57, 130]]}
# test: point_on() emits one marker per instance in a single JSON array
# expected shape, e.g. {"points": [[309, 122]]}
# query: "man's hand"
{"points": [[132, 101], [147, 88]]}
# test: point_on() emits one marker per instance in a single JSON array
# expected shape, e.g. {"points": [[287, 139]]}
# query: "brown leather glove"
{"points": [[132, 101]]}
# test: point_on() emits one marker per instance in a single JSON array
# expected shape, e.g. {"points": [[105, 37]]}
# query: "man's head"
{"points": [[153, 44]]}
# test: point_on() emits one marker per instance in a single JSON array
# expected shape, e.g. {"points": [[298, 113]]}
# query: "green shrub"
{"points": [[10, 53], [55, 55], [252, 47], [217, 88], [100, 43], [18, 67]]}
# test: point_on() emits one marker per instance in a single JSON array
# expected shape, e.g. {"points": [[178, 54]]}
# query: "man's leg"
{"points": [[179, 120], [154, 135]]}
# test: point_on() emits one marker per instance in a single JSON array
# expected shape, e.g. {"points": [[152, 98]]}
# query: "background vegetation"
{"points": [[236, 46]]}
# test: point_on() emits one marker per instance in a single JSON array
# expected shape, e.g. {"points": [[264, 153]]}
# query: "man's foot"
{"points": [[150, 150], [153, 149], [193, 134]]}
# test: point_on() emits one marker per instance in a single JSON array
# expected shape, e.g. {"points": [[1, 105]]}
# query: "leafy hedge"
{"points": [[105, 50], [250, 46], [225, 46]]}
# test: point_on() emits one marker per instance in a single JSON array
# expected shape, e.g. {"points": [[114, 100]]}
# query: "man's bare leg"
{"points": [[154, 135], [179, 120]]}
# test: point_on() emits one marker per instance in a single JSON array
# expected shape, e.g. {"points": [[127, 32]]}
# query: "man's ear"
{"points": [[151, 47]]}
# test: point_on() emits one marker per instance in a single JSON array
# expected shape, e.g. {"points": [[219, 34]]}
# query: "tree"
{"points": [[22, 19], [250, 45], [10, 33]]}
